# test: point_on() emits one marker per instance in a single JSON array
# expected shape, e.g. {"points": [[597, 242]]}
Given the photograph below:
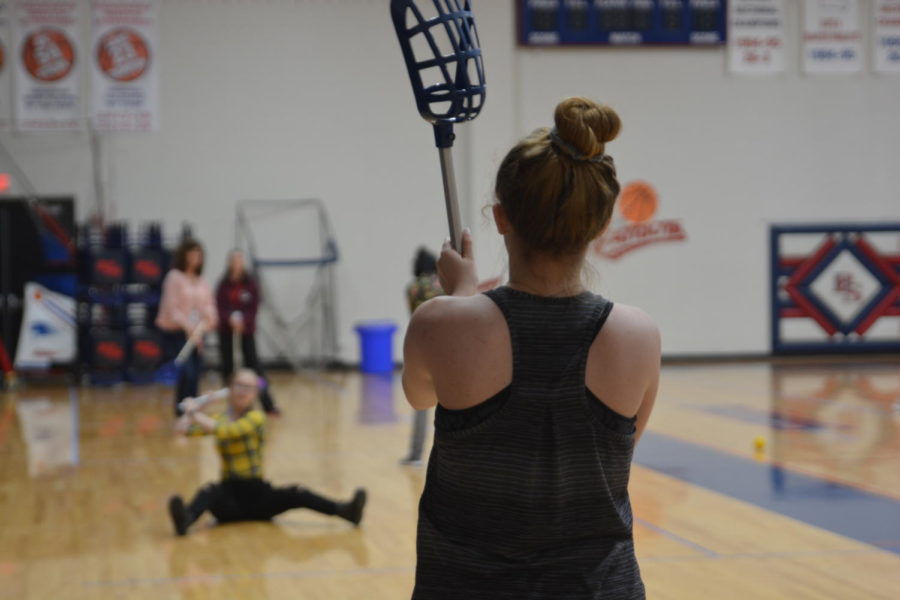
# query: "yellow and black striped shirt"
{"points": [[240, 443]]}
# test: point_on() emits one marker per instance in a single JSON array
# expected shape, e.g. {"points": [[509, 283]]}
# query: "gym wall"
{"points": [[310, 98]]}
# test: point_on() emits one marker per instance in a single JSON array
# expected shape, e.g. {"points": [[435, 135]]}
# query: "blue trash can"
{"points": [[376, 341]]}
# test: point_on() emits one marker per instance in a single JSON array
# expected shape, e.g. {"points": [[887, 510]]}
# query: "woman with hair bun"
{"points": [[542, 389]]}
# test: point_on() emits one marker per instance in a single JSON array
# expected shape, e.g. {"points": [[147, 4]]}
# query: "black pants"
{"points": [[188, 372], [254, 500], [251, 361]]}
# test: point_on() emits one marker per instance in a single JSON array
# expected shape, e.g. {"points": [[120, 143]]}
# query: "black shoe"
{"points": [[353, 510], [179, 515]]}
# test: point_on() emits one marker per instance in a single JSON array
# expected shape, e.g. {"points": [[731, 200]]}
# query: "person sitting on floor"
{"points": [[243, 494]]}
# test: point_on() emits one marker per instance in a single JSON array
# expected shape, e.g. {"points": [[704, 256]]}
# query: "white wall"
{"points": [[307, 98]]}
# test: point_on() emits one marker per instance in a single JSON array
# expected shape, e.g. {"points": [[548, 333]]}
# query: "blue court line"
{"points": [[842, 509]]}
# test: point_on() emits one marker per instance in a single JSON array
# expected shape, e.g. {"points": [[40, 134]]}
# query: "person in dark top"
{"points": [[237, 298], [542, 389]]}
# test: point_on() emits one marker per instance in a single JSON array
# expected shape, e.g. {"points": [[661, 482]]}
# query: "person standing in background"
{"points": [[237, 298], [186, 311]]}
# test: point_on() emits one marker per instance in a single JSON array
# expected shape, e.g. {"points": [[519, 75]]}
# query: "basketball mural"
{"points": [[122, 54], [48, 55], [636, 206]]}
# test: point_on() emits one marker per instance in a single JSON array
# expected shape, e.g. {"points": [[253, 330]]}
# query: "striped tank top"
{"points": [[526, 494]]}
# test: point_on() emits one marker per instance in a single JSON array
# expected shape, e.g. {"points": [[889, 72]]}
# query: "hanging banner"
{"points": [[5, 69], [886, 41], [831, 36], [124, 67], [756, 36], [47, 55], [48, 333]]}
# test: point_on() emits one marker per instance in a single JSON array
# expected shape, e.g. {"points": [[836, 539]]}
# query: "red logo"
{"points": [[122, 55], [637, 205], [108, 268], [847, 287], [147, 349], [48, 55], [148, 268], [111, 351]]}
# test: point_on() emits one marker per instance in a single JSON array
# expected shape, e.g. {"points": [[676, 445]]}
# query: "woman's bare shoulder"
{"points": [[447, 318], [632, 331]]}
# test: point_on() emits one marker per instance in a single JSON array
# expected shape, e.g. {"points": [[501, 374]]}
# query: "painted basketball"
{"points": [[638, 202]]}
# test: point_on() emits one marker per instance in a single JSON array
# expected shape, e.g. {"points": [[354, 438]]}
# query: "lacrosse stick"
{"points": [[204, 399], [237, 353], [189, 345], [444, 47]]}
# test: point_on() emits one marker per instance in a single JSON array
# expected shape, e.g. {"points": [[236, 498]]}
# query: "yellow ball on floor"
{"points": [[759, 442]]}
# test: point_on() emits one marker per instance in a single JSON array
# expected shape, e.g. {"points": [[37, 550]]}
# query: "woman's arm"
{"points": [[417, 383], [251, 421], [653, 353], [255, 299]]}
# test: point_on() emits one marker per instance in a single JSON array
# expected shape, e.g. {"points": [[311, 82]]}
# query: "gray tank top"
{"points": [[526, 494]]}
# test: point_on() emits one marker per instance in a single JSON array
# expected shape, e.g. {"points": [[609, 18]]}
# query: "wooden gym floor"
{"points": [[814, 513]]}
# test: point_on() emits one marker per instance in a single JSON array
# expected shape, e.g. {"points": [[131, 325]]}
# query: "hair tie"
{"points": [[571, 151]]}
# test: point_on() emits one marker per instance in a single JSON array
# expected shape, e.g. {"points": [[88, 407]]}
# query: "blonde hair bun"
{"points": [[586, 125]]}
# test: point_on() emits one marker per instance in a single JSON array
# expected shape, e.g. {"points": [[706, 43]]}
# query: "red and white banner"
{"points": [[886, 40], [756, 36], [5, 68], [124, 65], [832, 42], [47, 55]]}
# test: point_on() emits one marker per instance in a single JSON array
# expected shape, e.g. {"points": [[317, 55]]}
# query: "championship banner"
{"points": [[124, 67], [832, 42], [756, 36], [886, 41], [47, 96], [48, 333], [5, 77]]}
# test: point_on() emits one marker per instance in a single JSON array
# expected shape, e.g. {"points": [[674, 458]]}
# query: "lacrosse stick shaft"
{"points": [[451, 198], [189, 344], [201, 401]]}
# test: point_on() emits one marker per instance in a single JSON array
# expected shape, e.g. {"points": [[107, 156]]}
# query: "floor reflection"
{"points": [[376, 404], [842, 417], [50, 432], [263, 551]]}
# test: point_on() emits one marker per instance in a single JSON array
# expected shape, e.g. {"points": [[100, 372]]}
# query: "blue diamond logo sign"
{"points": [[845, 287]]}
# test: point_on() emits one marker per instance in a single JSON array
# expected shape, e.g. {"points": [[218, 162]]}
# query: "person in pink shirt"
{"points": [[187, 309]]}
